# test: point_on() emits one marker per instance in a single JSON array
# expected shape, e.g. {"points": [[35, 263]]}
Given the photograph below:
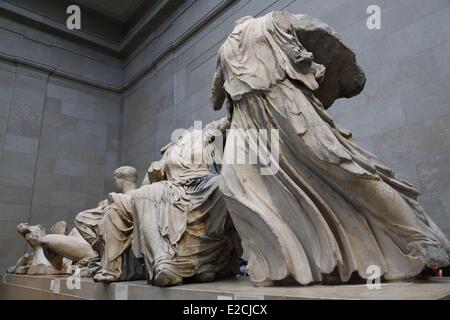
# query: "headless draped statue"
{"points": [[177, 222], [331, 208]]}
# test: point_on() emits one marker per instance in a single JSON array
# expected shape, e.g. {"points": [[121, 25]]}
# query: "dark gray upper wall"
{"points": [[59, 138], [58, 54], [403, 115], [102, 26]]}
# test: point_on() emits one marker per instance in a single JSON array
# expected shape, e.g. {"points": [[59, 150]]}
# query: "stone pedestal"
{"points": [[55, 287]]}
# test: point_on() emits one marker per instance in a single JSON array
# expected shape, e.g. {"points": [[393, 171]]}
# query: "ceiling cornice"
{"points": [[174, 45], [22, 14], [128, 42], [171, 47]]}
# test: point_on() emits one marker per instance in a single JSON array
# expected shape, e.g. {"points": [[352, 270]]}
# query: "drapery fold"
{"points": [[332, 207]]}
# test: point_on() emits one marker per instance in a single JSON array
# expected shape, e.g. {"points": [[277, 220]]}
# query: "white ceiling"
{"points": [[117, 9]]}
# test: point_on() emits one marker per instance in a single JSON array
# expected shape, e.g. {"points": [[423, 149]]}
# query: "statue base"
{"points": [[62, 287]]}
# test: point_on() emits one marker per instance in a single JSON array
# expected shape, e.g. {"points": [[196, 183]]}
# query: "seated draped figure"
{"points": [[113, 245], [177, 221], [330, 210]]}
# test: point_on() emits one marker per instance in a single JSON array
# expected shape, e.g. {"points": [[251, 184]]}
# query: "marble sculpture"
{"points": [[330, 210], [176, 223]]}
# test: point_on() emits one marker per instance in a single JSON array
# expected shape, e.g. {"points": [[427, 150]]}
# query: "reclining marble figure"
{"points": [[39, 262], [332, 209]]}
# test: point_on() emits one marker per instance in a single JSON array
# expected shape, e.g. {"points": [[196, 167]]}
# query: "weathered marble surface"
{"points": [[176, 222], [332, 209], [97, 244], [183, 226], [115, 232], [40, 262], [85, 244]]}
